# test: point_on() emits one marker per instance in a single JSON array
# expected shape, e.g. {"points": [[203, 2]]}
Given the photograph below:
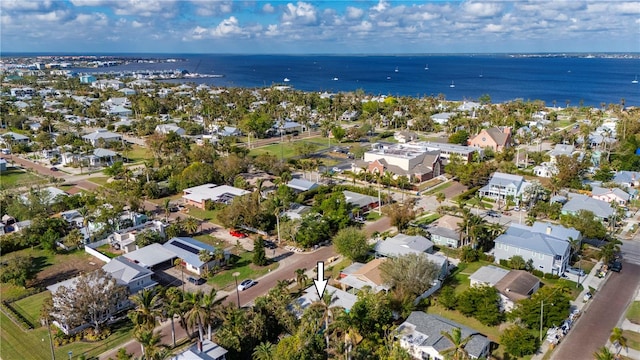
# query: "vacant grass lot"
{"points": [[17, 177], [224, 279], [138, 154], [633, 314], [31, 306], [287, 149], [436, 189], [100, 180]]}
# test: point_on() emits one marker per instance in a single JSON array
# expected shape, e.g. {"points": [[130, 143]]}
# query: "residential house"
{"points": [[302, 185], [48, 194], [494, 138], [422, 336], [125, 272], [502, 185], [87, 79], [601, 209], [349, 115], [626, 178], [615, 195], [515, 286], [153, 256], [488, 275], [229, 131], [442, 118], [464, 153], [205, 350], [402, 244], [14, 138], [287, 127], [188, 250], [102, 157], [101, 134], [445, 231], [357, 276], [544, 243], [106, 84], [405, 136], [411, 160], [125, 239], [545, 170], [361, 201], [199, 195], [167, 128], [340, 298], [561, 150], [469, 106]]}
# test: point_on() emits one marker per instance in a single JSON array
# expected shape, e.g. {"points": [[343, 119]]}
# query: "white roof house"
{"points": [[167, 128], [342, 298], [502, 185], [151, 255], [487, 275], [402, 244], [101, 134], [301, 185], [205, 350], [577, 202], [188, 250], [198, 195]]}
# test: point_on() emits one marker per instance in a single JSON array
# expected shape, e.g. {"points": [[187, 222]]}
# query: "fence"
{"points": [[91, 250]]}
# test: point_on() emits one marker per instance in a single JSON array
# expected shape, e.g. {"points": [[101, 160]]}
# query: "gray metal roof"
{"points": [[402, 244], [489, 274], [177, 245], [150, 255], [578, 202], [523, 237], [125, 271], [432, 326]]}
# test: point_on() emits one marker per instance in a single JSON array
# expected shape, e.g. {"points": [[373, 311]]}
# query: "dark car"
{"points": [[196, 281], [53, 168], [615, 266], [270, 244]]}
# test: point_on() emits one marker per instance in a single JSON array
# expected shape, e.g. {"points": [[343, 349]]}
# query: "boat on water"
{"points": [[388, 77], [480, 74], [635, 81], [335, 79], [426, 67], [396, 69], [452, 85], [286, 80]]}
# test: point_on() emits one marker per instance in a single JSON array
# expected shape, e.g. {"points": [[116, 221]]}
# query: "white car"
{"points": [[244, 285]]}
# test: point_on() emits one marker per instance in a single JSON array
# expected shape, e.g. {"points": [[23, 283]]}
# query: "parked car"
{"points": [[244, 285], [238, 234], [53, 168], [587, 297], [574, 271], [196, 281], [493, 213], [270, 244], [615, 266]]}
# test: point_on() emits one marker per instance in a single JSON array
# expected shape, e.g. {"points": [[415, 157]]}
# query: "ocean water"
{"points": [[578, 80]]}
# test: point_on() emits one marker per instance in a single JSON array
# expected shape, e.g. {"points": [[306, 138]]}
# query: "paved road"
{"points": [[604, 313]]}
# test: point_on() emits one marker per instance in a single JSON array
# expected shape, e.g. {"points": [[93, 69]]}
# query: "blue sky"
{"points": [[344, 27]]}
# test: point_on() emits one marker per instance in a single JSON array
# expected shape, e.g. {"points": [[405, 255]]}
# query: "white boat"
{"points": [[635, 81], [452, 85], [335, 79], [286, 80], [480, 74], [396, 69], [388, 77], [426, 67]]}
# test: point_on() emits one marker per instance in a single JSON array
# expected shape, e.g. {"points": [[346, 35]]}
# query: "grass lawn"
{"points": [[224, 280], [139, 153], [428, 219], [16, 176], [160, 201], [633, 314], [211, 240], [460, 277], [287, 149], [438, 188], [100, 180], [30, 307], [373, 216], [16, 343], [633, 339], [206, 215]]}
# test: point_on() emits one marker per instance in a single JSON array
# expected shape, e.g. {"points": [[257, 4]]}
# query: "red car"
{"points": [[238, 234]]}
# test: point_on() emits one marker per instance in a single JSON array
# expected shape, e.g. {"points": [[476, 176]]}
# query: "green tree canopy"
{"points": [[409, 274], [352, 243]]}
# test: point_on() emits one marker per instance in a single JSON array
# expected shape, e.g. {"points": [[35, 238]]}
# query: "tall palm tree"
{"points": [[343, 326], [325, 308], [196, 315], [301, 277], [456, 351], [166, 205], [171, 306], [617, 336], [264, 351], [604, 353], [147, 309], [210, 304]]}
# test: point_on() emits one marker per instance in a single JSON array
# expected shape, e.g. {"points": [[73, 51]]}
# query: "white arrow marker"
{"points": [[321, 283]]}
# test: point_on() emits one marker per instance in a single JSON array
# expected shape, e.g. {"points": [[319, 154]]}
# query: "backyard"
{"points": [[16, 176]]}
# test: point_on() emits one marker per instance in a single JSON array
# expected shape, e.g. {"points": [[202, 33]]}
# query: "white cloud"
{"points": [[302, 13], [493, 28], [381, 6], [354, 13], [364, 26], [23, 5], [268, 8], [482, 9]]}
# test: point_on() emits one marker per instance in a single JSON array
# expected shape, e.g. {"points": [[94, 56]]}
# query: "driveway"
{"points": [[598, 319]]}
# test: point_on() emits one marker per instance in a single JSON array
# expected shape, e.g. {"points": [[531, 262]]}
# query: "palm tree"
{"points": [[147, 309], [343, 325], [178, 262], [166, 205], [617, 338], [172, 305], [456, 351], [196, 315], [301, 277], [440, 197], [264, 351], [323, 306], [149, 341], [210, 305], [191, 225], [604, 353]]}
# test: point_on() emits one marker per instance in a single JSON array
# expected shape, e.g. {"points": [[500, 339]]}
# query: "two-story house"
{"points": [[494, 138], [546, 244], [502, 185]]}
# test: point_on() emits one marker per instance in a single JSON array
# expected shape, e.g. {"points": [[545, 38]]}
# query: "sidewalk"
{"points": [[591, 280]]}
